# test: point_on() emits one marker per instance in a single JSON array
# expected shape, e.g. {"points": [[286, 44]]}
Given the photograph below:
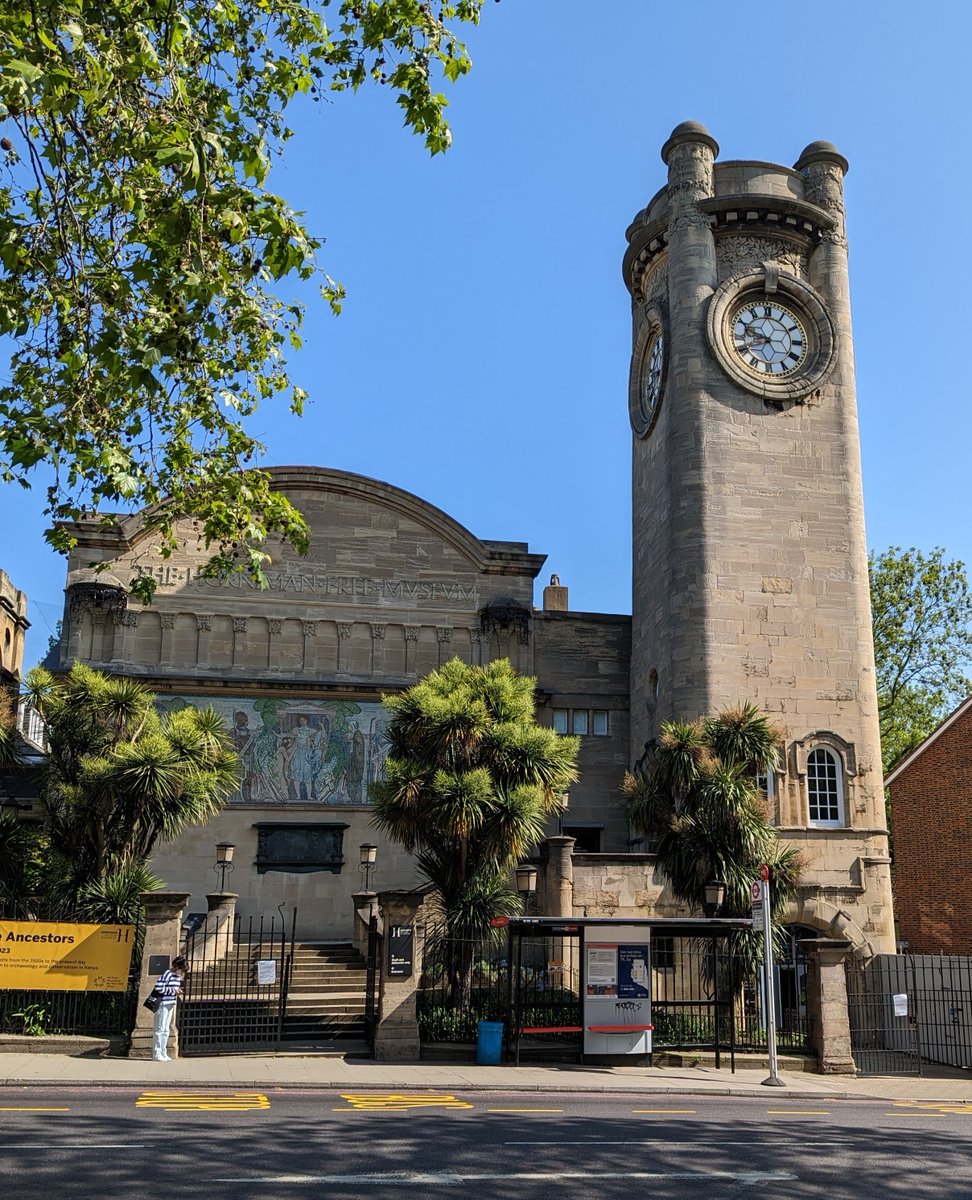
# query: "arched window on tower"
{"points": [[825, 788]]}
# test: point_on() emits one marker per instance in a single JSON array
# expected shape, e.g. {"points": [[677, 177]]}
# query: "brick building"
{"points": [[931, 814]]}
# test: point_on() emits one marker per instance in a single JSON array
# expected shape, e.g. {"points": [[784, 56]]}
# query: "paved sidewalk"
{"points": [[319, 1071]]}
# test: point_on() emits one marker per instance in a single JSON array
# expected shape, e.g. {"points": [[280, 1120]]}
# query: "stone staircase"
{"points": [[326, 998]]}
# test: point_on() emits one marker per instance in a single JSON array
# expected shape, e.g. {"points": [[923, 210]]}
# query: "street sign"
{"points": [[757, 900], [764, 873]]}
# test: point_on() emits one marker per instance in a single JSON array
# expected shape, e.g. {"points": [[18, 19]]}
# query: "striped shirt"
{"points": [[169, 983]]}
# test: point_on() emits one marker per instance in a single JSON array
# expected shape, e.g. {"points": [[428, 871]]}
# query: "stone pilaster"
{"points": [[309, 660], [411, 648], [240, 626], [559, 877], [377, 649], [344, 631], [397, 1035], [163, 933], [167, 621], [827, 1004], [204, 628]]}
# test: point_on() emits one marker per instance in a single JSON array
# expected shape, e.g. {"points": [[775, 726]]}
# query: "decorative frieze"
{"points": [[344, 629], [239, 624], [378, 632], [275, 626], [412, 633], [167, 620], [204, 622]]}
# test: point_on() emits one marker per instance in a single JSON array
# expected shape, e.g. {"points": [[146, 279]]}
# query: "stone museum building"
{"points": [[749, 583]]}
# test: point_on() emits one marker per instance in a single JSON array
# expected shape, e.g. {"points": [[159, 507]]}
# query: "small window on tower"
{"points": [[560, 720], [825, 793], [599, 722], [579, 724]]}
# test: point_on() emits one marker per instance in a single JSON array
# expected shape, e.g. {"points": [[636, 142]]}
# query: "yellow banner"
{"points": [[65, 958]]}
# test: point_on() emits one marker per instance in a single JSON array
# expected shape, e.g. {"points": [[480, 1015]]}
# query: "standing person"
{"points": [[169, 984]]}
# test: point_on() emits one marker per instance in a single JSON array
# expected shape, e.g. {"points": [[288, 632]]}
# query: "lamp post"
{"points": [[715, 895], [526, 883], [224, 862], [367, 857]]}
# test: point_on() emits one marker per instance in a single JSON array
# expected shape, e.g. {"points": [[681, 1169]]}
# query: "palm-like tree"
{"points": [[118, 777], [471, 782], [699, 802]]}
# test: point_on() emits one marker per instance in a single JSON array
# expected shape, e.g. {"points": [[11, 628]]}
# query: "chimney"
{"points": [[554, 596]]}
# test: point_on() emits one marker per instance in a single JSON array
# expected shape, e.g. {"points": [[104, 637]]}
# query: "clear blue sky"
{"points": [[482, 358]]}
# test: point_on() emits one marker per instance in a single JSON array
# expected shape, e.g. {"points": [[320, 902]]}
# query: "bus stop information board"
{"points": [[65, 958], [617, 990]]}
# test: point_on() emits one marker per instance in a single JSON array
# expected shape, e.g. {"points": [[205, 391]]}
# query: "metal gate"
{"points": [[882, 1009], [235, 994], [373, 985]]}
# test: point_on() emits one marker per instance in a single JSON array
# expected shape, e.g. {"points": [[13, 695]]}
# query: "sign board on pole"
{"points": [[757, 901], [65, 958]]}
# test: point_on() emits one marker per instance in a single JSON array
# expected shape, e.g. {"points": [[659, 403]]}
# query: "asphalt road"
{"points": [[192, 1145]]}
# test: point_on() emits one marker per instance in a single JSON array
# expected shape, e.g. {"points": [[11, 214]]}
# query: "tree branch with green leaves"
{"points": [[142, 253]]}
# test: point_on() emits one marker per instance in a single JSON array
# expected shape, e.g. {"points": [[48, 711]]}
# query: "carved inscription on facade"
{"points": [[319, 583]]}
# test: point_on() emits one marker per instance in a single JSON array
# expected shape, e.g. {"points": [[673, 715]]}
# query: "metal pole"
{"points": [[773, 1079]]}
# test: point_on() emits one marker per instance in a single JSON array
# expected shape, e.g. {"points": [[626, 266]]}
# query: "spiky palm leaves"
{"points": [[700, 804], [470, 784], [118, 778]]}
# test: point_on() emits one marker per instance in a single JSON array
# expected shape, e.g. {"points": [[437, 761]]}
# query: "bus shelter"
{"points": [[596, 988]]}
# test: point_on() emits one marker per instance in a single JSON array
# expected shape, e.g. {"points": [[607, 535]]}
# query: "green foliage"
{"points": [[33, 1019], [118, 778], [922, 615], [699, 804], [140, 246], [20, 864], [471, 783]]}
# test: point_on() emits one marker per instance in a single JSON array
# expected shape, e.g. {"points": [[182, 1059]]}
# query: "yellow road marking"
{"points": [[927, 1108], [799, 1112], [524, 1110], [34, 1109], [203, 1101], [663, 1110], [399, 1101]]}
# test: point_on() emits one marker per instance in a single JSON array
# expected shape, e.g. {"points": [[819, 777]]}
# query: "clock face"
{"points": [[651, 376], [768, 338]]}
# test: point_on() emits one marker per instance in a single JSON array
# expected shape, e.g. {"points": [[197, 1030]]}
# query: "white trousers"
{"points": [[163, 1022]]}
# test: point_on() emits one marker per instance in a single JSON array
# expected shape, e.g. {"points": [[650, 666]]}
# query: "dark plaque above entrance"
{"points": [[299, 847]]}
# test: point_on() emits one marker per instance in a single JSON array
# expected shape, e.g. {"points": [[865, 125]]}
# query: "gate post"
{"points": [[163, 934], [827, 1004], [365, 903], [397, 1035], [558, 877], [218, 941]]}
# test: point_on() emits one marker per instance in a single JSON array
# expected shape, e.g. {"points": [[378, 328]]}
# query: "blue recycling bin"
{"points": [[489, 1047]]}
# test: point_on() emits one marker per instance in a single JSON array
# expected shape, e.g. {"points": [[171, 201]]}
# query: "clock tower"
{"points": [[749, 555]]}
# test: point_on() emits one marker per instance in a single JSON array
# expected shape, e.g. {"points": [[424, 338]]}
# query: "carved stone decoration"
{"points": [[654, 284], [275, 625], [739, 252], [310, 629], [378, 632], [167, 620], [443, 633], [204, 622], [412, 633], [239, 624], [505, 615], [130, 618], [344, 629]]}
